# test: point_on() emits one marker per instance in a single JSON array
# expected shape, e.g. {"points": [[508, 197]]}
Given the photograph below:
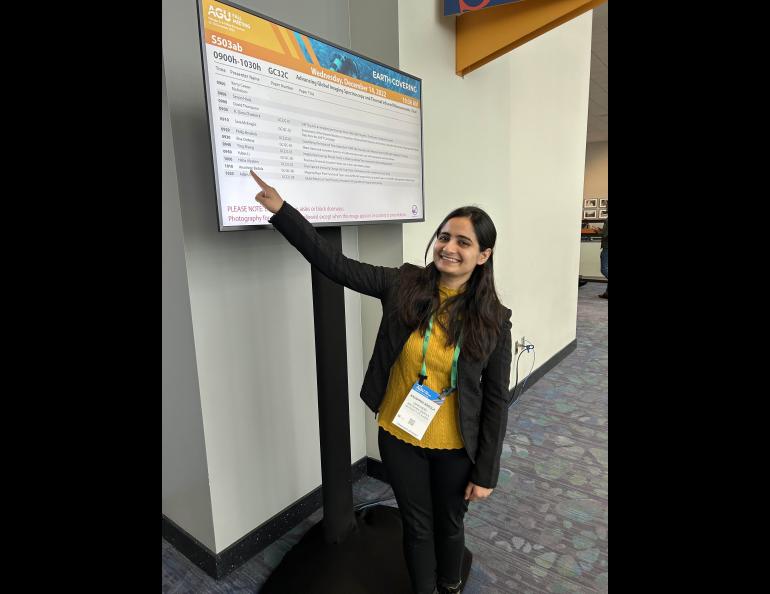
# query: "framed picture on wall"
{"points": [[602, 202], [589, 213], [589, 203], [602, 213]]}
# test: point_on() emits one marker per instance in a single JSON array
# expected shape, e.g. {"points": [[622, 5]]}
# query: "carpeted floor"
{"points": [[544, 529]]}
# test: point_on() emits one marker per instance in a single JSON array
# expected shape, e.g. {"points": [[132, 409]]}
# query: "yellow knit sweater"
{"points": [[443, 432]]}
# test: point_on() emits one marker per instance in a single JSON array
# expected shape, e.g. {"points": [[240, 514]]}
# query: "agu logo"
{"points": [[222, 15], [414, 210], [465, 7]]}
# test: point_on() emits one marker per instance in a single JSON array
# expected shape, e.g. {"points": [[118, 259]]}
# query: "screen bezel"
{"points": [[206, 89]]}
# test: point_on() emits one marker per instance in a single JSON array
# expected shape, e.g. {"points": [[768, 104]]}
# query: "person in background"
{"points": [[603, 257], [584, 226]]}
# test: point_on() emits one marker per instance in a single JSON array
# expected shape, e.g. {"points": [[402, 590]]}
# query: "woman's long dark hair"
{"points": [[475, 312]]}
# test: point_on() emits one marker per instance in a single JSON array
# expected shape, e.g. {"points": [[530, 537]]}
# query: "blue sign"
{"points": [[460, 6]]}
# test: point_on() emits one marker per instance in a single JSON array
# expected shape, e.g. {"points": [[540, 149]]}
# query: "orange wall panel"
{"points": [[482, 36]]}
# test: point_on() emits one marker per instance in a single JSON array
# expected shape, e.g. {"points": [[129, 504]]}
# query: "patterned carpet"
{"points": [[544, 529]]}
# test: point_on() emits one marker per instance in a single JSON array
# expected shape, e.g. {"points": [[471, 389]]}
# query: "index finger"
{"points": [[257, 179]]}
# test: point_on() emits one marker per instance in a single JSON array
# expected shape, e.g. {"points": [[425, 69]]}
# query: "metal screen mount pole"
{"points": [[333, 412]]}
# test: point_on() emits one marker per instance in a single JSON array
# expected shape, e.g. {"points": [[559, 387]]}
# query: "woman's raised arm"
{"points": [[358, 276]]}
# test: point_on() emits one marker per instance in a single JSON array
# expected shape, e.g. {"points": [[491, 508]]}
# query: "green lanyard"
{"points": [[424, 371]]}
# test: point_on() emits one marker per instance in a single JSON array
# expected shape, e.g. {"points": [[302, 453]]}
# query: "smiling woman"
{"points": [[462, 259], [438, 377], [456, 252]]}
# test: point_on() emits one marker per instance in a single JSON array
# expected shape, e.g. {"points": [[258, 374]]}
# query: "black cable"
{"points": [[523, 385], [366, 504], [378, 501], [527, 347], [516, 380]]}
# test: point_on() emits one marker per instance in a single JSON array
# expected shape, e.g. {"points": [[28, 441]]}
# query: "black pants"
{"points": [[429, 486]]}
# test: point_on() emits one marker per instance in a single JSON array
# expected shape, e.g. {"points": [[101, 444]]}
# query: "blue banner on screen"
{"points": [[338, 60], [460, 6]]}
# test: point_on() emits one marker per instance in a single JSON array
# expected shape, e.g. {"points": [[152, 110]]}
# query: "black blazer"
{"points": [[482, 386]]}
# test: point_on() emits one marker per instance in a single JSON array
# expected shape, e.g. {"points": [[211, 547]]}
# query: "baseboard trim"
{"points": [[189, 546], [219, 565]]}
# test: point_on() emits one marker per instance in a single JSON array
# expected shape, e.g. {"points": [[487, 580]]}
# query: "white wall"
{"points": [[549, 114], [354, 343], [510, 138], [380, 245], [186, 499], [251, 313]]}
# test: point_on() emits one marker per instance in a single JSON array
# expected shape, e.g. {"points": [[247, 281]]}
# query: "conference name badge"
{"points": [[418, 410]]}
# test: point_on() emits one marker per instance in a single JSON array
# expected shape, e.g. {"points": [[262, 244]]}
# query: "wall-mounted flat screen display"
{"points": [[337, 134]]}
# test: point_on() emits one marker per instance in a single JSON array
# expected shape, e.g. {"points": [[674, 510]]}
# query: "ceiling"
{"points": [[597, 95]]}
